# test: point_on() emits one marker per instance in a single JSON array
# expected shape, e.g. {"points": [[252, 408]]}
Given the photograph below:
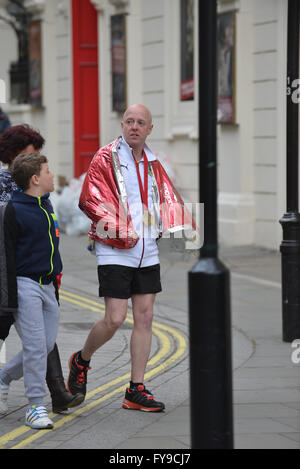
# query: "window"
{"points": [[226, 52], [19, 18], [187, 50], [118, 57], [35, 66]]}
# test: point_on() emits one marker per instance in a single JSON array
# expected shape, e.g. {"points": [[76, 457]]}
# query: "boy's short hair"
{"points": [[25, 166]]}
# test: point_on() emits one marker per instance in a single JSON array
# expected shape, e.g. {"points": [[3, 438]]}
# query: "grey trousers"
{"points": [[36, 323]]}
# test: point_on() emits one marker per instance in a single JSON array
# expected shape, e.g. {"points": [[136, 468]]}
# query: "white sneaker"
{"points": [[3, 398], [37, 418]]}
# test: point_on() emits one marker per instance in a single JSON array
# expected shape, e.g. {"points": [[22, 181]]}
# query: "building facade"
{"points": [[97, 56]]}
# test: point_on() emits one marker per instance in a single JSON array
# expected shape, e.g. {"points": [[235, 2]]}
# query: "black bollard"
{"points": [[210, 356], [209, 279], [290, 246]]}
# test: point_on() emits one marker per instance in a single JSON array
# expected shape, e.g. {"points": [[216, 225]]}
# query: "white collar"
{"points": [[150, 155]]}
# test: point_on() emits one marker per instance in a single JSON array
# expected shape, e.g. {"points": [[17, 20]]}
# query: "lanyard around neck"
{"points": [[143, 187]]}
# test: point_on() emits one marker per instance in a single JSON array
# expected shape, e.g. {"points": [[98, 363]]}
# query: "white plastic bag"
{"points": [[70, 218]]}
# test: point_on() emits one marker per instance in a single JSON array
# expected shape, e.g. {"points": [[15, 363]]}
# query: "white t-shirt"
{"points": [[145, 252]]}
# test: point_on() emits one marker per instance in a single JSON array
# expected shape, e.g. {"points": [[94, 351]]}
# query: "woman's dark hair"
{"points": [[25, 166], [17, 138]]}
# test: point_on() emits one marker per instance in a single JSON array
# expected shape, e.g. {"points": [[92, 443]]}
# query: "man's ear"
{"points": [[150, 129]]}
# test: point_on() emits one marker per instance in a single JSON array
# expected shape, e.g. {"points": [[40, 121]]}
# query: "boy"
{"points": [[17, 140], [31, 238]]}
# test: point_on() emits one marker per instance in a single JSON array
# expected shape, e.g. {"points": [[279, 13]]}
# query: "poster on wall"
{"points": [[118, 58], [226, 53], [187, 51], [35, 64]]}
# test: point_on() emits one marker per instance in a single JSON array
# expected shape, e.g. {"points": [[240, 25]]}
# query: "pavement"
{"points": [[265, 380]]}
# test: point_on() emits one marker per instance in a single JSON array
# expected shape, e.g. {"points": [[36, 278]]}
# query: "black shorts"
{"points": [[119, 281]]}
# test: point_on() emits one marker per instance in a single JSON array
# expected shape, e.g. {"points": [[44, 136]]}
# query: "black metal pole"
{"points": [[290, 246], [209, 279]]}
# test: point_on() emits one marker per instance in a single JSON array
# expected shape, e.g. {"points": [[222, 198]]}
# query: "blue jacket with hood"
{"points": [[37, 255]]}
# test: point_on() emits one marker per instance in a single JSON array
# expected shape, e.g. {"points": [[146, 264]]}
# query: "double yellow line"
{"points": [[164, 358]]}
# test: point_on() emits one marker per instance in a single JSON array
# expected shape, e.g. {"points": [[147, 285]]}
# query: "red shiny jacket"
{"points": [[103, 200]]}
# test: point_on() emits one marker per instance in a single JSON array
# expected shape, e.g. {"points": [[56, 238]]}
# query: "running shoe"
{"points": [[77, 376], [37, 418], [141, 399], [3, 398]]}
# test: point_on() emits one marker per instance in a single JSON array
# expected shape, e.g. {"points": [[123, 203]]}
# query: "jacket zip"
{"points": [[143, 250], [51, 241]]}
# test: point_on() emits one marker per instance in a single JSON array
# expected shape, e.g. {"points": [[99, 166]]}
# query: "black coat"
{"points": [[8, 278]]}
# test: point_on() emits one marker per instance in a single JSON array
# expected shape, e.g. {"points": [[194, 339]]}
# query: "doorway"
{"points": [[85, 84]]}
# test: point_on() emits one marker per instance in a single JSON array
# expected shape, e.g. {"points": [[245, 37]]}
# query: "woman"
{"points": [[15, 140], [20, 139]]}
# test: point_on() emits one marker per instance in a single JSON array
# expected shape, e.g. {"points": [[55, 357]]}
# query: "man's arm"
{"points": [[100, 200], [92, 197]]}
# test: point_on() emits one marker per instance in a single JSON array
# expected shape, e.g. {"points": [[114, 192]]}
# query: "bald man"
{"points": [[122, 194]]}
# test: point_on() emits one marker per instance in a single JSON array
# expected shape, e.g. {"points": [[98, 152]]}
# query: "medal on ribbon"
{"points": [[148, 219]]}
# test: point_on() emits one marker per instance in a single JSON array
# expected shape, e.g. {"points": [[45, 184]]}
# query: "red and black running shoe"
{"points": [[141, 399], [77, 376]]}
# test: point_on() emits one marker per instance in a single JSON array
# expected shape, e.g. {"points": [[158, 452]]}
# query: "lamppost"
{"points": [[209, 279], [290, 246]]}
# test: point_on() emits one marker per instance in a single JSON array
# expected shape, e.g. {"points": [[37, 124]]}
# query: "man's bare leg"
{"points": [[103, 330], [136, 396], [140, 345]]}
